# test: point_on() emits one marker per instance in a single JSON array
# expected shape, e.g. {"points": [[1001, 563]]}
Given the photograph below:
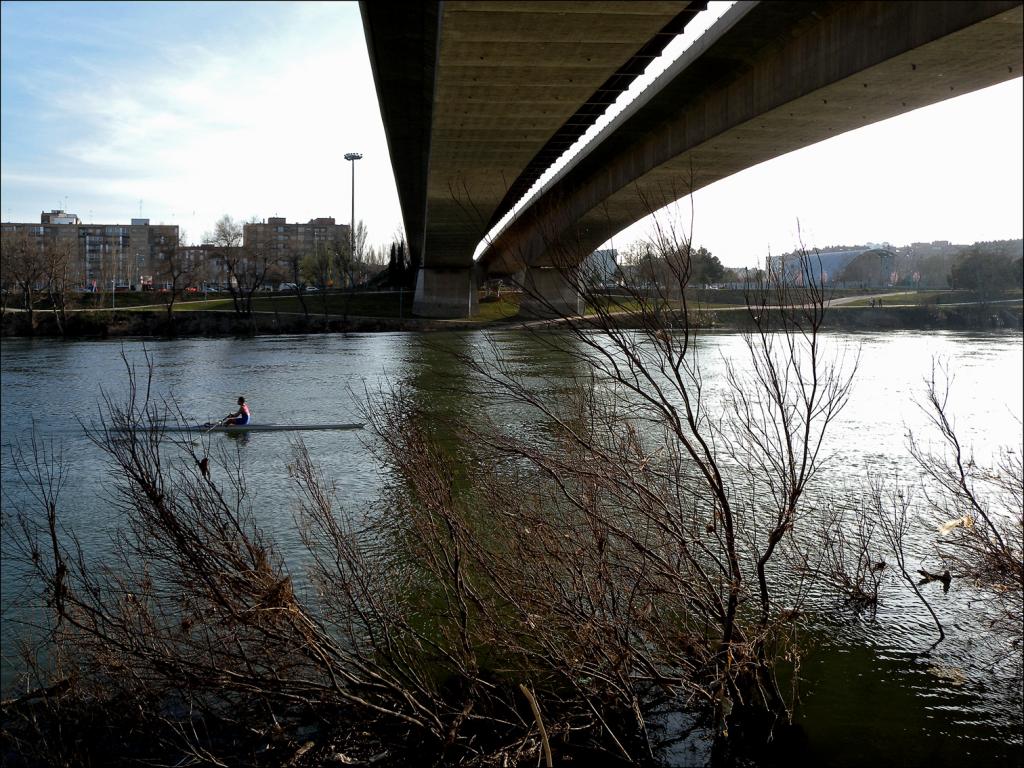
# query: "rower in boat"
{"points": [[250, 427], [229, 424], [239, 418]]}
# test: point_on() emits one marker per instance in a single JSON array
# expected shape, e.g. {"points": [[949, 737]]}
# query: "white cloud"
{"points": [[254, 126]]}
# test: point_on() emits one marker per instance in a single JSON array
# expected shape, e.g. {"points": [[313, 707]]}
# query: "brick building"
{"points": [[105, 254], [287, 244]]}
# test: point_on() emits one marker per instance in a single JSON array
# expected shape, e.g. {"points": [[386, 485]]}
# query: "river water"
{"points": [[869, 698]]}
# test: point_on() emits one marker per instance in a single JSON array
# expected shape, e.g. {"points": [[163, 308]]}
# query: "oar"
{"points": [[213, 426], [208, 430]]}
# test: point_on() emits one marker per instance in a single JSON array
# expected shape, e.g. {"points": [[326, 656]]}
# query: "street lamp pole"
{"points": [[352, 156]]}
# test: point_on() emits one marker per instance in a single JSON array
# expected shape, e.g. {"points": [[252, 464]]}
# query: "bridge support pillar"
{"points": [[445, 292], [547, 293]]}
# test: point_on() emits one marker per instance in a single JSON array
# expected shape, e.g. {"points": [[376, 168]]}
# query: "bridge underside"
{"points": [[779, 77], [478, 98]]}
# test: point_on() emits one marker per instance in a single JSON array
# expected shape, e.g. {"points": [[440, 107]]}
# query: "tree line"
{"points": [[983, 268]]}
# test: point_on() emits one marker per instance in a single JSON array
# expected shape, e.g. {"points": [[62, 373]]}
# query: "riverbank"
{"points": [[923, 317], [208, 324], [221, 323]]}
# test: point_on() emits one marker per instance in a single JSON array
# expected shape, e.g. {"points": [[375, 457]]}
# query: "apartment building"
{"points": [[289, 243], [121, 255], [58, 217]]}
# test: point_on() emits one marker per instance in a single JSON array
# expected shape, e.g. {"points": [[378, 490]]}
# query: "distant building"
{"points": [[288, 243], [106, 254], [602, 266], [58, 217], [860, 267], [203, 265]]}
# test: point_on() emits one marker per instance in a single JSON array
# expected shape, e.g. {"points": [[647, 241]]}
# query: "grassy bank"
{"points": [[330, 312]]}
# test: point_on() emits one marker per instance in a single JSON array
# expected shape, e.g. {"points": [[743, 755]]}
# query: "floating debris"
{"points": [[951, 675], [966, 522]]}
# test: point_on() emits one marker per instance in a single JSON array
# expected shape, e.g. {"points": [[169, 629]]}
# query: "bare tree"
{"points": [[973, 513], [59, 255], [177, 271], [248, 267], [8, 285], [350, 255], [360, 251], [25, 266], [291, 265], [227, 240], [719, 492], [977, 509], [317, 268]]}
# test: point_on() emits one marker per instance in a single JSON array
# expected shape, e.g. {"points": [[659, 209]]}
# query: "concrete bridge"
{"points": [[478, 98]]}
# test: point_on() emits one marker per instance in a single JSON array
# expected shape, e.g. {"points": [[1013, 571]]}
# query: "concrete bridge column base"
{"points": [[547, 293], [445, 292]]}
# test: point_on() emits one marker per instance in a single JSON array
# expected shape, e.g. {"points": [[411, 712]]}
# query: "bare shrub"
{"points": [[855, 562], [975, 513], [648, 542], [192, 638], [971, 516]]}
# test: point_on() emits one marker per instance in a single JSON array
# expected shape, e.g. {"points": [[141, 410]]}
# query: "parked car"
{"points": [[286, 287]]}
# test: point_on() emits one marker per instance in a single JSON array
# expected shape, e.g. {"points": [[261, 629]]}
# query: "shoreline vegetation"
{"points": [[368, 313]]}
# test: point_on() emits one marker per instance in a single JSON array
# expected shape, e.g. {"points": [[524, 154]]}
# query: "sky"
{"points": [[184, 112]]}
